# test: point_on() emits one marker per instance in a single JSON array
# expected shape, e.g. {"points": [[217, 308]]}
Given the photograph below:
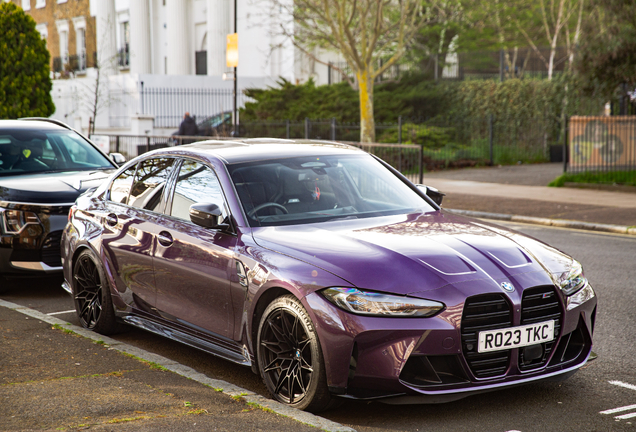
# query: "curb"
{"points": [[186, 371], [560, 223]]}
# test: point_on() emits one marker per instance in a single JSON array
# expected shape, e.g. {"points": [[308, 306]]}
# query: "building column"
{"points": [[106, 35], [140, 46], [219, 25], [179, 27]]}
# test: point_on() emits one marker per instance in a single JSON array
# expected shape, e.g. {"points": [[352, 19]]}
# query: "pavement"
{"points": [[520, 193], [57, 376]]}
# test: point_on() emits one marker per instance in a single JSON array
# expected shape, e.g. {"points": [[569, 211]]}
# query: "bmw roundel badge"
{"points": [[507, 286]]}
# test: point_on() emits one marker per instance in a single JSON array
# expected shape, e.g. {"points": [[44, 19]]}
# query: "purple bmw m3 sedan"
{"points": [[326, 271]]}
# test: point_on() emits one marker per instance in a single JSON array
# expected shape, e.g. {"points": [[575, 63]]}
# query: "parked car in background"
{"points": [[44, 167], [326, 271]]}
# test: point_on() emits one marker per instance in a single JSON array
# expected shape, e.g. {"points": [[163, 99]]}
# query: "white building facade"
{"points": [[147, 49]]}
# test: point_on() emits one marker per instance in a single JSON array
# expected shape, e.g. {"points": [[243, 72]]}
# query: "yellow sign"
{"points": [[231, 51]]}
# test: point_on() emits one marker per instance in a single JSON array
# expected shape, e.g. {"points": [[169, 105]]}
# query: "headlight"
{"points": [[377, 304], [14, 221], [574, 280]]}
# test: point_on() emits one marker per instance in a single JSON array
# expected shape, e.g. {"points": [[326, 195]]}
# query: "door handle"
{"points": [[165, 238], [111, 219]]}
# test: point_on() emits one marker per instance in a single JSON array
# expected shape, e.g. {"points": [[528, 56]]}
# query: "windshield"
{"points": [[35, 151], [311, 189]]}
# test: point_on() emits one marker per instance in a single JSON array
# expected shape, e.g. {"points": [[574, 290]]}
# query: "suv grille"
{"points": [[540, 304], [51, 254], [485, 312]]}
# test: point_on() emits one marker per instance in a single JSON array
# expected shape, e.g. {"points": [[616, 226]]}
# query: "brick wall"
{"points": [[54, 11]]}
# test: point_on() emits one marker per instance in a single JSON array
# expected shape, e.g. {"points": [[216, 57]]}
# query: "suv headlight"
{"points": [[574, 280], [377, 304], [14, 221]]}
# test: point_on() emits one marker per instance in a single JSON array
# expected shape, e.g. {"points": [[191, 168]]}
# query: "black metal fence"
{"points": [[411, 147], [168, 105], [601, 144], [524, 62], [445, 142]]}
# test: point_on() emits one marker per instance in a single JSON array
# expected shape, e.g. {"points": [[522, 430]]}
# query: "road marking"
{"points": [[61, 313], [615, 410], [622, 384], [625, 408]]}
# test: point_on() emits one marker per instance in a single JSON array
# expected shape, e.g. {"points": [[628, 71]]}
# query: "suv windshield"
{"points": [[316, 189], [33, 151]]}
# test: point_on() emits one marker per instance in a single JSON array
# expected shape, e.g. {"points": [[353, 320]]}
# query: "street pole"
{"points": [[235, 112]]}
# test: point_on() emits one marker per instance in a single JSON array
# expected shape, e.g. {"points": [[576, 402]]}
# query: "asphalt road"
{"points": [[600, 397]]}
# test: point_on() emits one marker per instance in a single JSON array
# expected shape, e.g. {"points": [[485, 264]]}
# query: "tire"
{"points": [[91, 294], [4, 284], [289, 356]]}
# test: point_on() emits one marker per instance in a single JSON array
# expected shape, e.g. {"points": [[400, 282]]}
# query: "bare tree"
{"points": [[555, 18], [371, 35], [94, 93]]}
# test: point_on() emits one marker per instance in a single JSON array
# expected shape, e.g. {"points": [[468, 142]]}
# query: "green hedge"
{"points": [[417, 98]]}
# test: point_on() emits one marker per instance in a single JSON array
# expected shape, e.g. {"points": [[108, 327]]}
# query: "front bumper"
{"points": [[429, 360], [34, 251]]}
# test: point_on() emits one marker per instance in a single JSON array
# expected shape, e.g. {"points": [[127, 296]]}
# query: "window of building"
{"points": [[79, 59], [43, 30], [124, 44], [61, 1], [26, 5], [39, 4], [59, 63], [64, 47]]}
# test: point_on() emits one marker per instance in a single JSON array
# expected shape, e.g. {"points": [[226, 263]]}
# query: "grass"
{"points": [[626, 178]]}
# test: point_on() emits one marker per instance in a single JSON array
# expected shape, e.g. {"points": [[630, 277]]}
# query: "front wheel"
{"points": [[289, 356], [93, 303]]}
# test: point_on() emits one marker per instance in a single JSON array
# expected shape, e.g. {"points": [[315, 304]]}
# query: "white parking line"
{"points": [[622, 384], [621, 409], [615, 410], [61, 313]]}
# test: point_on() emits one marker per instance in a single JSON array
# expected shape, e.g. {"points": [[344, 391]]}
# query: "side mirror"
{"points": [[432, 193], [207, 215], [118, 158]]}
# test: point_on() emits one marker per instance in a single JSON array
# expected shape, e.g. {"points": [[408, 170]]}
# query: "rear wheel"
{"points": [[4, 284], [93, 302], [289, 356]]}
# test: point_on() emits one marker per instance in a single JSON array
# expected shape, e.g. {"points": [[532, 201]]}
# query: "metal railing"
{"points": [[446, 142], [411, 148], [168, 105]]}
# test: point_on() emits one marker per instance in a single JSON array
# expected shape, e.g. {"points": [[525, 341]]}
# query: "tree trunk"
{"points": [[367, 122]]}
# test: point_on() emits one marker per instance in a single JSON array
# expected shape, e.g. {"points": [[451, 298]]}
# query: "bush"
{"points": [[25, 84], [429, 136]]}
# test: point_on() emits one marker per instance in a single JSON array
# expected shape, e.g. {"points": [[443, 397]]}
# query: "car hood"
{"points": [[50, 188], [408, 254]]}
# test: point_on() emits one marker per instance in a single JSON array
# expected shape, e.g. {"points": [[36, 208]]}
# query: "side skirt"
{"points": [[220, 347]]}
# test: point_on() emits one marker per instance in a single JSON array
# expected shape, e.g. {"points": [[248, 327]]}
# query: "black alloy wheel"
{"points": [[92, 296], [289, 356]]}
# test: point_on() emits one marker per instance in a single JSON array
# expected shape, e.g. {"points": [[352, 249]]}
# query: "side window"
{"points": [[149, 183], [120, 188], [196, 184]]}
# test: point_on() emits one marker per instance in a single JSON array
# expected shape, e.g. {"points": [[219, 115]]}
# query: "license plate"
{"points": [[515, 337]]}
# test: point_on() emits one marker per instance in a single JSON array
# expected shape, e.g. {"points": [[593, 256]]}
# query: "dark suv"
{"points": [[44, 167]]}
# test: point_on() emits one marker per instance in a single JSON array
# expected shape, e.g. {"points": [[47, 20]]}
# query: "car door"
{"points": [[130, 222], [193, 264]]}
